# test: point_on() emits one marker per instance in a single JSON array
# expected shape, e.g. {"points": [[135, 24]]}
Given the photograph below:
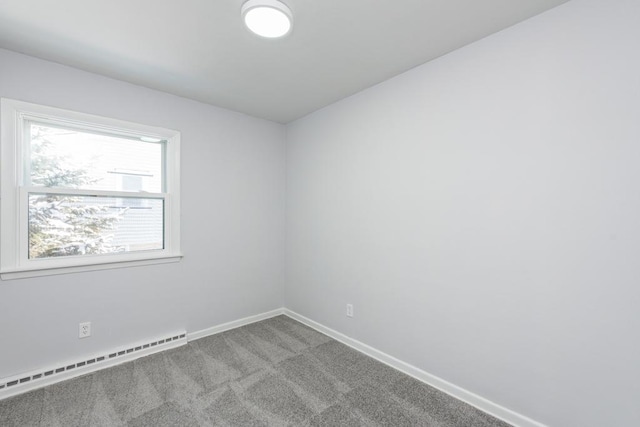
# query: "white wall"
{"points": [[232, 228], [482, 213]]}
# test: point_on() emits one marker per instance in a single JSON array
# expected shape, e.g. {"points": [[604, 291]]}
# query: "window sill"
{"points": [[49, 271]]}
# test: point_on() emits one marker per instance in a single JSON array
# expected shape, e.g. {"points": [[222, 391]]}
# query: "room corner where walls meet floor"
{"points": [[459, 393]]}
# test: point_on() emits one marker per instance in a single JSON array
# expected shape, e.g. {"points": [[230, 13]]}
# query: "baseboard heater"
{"points": [[22, 383]]}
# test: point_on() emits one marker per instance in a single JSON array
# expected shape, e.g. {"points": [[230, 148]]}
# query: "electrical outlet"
{"points": [[349, 310], [85, 330]]}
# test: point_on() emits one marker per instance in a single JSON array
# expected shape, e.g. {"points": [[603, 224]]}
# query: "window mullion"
{"points": [[92, 193]]}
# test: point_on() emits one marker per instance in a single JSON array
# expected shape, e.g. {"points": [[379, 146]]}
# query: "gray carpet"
{"points": [[277, 372]]}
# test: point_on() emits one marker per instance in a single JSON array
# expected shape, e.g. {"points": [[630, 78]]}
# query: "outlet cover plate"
{"points": [[84, 330]]}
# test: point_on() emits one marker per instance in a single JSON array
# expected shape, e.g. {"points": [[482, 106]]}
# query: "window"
{"points": [[82, 192]]}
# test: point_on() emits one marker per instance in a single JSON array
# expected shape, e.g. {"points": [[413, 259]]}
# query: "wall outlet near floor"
{"points": [[85, 330], [349, 310]]}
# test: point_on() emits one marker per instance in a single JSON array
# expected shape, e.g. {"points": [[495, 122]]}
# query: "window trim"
{"points": [[14, 261]]}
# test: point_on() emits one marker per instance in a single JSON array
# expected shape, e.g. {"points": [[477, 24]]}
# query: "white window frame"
{"points": [[14, 260]]}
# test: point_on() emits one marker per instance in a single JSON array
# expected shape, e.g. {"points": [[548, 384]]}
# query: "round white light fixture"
{"points": [[267, 18]]}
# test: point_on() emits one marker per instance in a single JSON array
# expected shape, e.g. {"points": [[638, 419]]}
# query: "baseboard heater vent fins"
{"points": [[93, 361]]}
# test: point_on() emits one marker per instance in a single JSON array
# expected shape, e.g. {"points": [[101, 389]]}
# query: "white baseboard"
{"points": [[234, 324], [71, 369], [459, 393], [473, 399]]}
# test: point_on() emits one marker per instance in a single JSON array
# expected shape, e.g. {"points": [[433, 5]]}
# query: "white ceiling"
{"points": [[200, 49]]}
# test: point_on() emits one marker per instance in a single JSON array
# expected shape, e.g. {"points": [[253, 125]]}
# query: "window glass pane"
{"points": [[71, 158], [63, 225]]}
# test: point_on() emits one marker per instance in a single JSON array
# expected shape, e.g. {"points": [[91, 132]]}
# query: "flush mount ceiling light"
{"points": [[267, 18]]}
